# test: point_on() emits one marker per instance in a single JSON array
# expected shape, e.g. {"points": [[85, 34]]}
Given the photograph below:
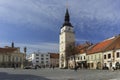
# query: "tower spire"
{"points": [[67, 17]]}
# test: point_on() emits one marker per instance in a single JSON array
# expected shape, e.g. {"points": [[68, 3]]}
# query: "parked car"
{"points": [[105, 68], [28, 67]]}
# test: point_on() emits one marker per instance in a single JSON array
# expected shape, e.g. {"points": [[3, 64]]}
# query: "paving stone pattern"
{"points": [[57, 74]]}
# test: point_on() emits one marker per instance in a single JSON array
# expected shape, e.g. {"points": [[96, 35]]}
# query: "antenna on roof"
{"points": [[67, 4]]}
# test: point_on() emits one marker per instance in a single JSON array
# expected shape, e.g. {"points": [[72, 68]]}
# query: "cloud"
{"points": [[37, 12], [29, 12], [102, 9], [38, 20], [41, 13]]}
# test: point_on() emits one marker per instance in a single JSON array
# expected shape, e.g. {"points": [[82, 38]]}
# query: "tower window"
{"points": [[69, 29]]}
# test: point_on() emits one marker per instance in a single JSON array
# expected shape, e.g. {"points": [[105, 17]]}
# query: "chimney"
{"points": [[25, 49], [12, 45]]}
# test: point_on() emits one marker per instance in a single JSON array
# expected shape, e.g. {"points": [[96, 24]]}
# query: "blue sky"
{"points": [[36, 23]]}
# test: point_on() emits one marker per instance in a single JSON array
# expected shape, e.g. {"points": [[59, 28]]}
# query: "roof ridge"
{"points": [[109, 38], [114, 39]]}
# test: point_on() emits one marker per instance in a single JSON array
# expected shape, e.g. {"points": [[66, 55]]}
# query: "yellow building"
{"points": [[80, 57], [112, 53], [94, 61], [104, 54], [11, 57]]}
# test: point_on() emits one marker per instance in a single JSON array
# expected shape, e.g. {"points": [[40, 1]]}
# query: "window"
{"points": [[42, 58], [99, 56], [109, 56], [37, 61], [88, 57], [42, 62], [104, 56], [37, 57], [118, 54], [84, 57], [69, 29], [42, 55], [81, 57], [46, 61], [92, 65], [46, 58], [37, 54], [95, 57], [91, 57]]}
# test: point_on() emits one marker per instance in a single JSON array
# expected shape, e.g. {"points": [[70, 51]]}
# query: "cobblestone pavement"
{"points": [[57, 74]]}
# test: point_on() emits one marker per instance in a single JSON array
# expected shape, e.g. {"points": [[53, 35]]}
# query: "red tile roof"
{"points": [[115, 44], [83, 47], [99, 47], [54, 55], [7, 50]]}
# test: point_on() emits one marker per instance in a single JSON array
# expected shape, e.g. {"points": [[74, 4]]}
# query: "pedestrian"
{"points": [[35, 67], [75, 68], [113, 69], [53, 67], [14, 66]]}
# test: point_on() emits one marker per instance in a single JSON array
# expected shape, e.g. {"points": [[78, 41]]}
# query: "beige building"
{"points": [[80, 58], [104, 54], [94, 61], [11, 57], [54, 59], [66, 37], [112, 53]]}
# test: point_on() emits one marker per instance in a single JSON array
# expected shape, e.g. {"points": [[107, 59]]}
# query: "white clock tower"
{"points": [[66, 37]]}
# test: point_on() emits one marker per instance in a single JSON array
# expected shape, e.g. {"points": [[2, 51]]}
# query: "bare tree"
{"points": [[72, 50]]}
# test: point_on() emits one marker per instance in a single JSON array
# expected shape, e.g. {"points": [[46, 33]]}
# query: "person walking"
{"points": [[75, 68], [53, 67]]}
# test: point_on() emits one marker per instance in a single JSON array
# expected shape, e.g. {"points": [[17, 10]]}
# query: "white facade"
{"points": [[40, 59], [95, 60], [111, 58], [66, 37], [79, 58]]}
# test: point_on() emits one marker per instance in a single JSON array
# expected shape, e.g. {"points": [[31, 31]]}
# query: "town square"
{"points": [[57, 74], [59, 40]]}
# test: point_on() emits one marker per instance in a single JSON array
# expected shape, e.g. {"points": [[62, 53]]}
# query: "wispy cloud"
{"points": [[29, 12], [40, 20]]}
